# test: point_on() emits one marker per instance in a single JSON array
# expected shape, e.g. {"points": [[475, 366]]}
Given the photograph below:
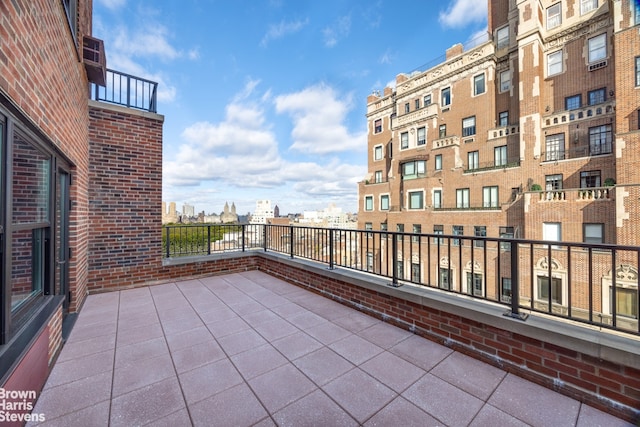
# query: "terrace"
{"points": [[282, 325], [250, 349]]}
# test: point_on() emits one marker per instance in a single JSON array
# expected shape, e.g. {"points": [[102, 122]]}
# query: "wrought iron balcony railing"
{"points": [[584, 282], [128, 91]]}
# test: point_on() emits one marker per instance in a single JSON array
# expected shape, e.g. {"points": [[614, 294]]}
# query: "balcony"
{"points": [[502, 132], [128, 91], [584, 113], [577, 194], [449, 141], [249, 348], [493, 165], [577, 152]]}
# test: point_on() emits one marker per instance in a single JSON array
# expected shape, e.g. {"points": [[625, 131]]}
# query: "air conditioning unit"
{"points": [[94, 59], [597, 65]]}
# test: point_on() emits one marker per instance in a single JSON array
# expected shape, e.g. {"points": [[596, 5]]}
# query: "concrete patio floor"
{"points": [[249, 349]]}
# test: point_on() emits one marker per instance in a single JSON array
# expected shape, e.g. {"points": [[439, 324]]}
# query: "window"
{"points": [[554, 16], [445, 278], [600, 140], [377, 126], [587, 6], [505, 81], [589, 179], [442, 131], [407, 107], [506, 233], [500, 156], [437, 199], [378, 177], [71, 8], [417, 104], [552, 231], [490, 197], [478, 84], [573, 102], [422, 136], [626, 300], [553, 182], [416, 199], [469, 126], [505, 290], [417, 229], [593, 233], [368, 226], [636, 19], [554, 63], [368, 203], [377, 152], [503, 118], [445, 97], [400, 230], [638, 67], [550, 291], [415, 272], [473, 160], [479, 231], [384, 202], [597, 96], [404, 140], [457, 230], [597, 48], [474, 284], [427, 100], [462, 198], [438, 160], [414, 169], [383, 227], [554, 147], [400, 269], [502, 37], [369, 261], [438, 229]]}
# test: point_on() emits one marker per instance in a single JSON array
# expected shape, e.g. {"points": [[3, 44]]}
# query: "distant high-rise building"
{"points": [[276, 211], [188, 210], [262, 213]]}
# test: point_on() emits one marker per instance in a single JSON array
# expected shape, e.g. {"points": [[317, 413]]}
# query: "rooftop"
{"points": [[251, 349]]}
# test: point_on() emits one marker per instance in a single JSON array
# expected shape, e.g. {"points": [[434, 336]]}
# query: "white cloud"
{"points": [[464, 12], [339, 30], [282, 29], [113, 4], [318, 116], [150, 40]]}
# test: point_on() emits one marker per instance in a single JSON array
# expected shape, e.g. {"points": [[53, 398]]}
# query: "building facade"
{"points": [[533, 135]]}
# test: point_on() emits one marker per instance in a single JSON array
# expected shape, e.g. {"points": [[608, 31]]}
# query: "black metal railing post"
{"points": [[168, 241], [514, 312], [394, 263], [264, 237], [209, 240], [291, 240], [331, 267], [243, 228]]}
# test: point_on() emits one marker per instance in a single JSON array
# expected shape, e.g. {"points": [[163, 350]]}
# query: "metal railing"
{"points": [[584, 282], [577, 152], [127, 90]]}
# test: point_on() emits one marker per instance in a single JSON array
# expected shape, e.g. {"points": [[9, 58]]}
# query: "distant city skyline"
{"points": [[275, 110]]}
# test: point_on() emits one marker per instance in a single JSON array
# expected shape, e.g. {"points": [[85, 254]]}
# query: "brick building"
{"points": [[533, 134]]}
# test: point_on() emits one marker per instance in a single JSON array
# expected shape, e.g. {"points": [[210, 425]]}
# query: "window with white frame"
{"points": [[593, 233], [500, 156], [550, 290], [502, 37], [598, 48], [445, 278], [384, 202], [474, 284], [597, 96], [437, 199], [442, 131], [462, 198], [469, 126], [377, 126], [554, 16], [416, 199], [552, 231], [626, 293], [369, 261], [400, 269], [415, 272], [554, 145], [600, 138], [473, 160], [505, 81], [553, 182], [505, 290], [400, 230], [478, 84], [479, 231], [506, 232], [554, 63], [457, 230], [427, 100], [438, 161], [368, 203], [587, 6], [417, 229], [503, 118], [490, 196], [377, 177], [445, 97], [404, 140], [438, 229], [377, 152], [422, 136], [414, 169]]}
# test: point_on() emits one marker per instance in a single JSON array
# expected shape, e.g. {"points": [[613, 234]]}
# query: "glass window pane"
{"points": [[31, 181], [27, 265], [598, 48]]}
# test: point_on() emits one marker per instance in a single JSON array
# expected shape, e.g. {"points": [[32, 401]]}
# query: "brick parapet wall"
{"points": [[598, 368]]}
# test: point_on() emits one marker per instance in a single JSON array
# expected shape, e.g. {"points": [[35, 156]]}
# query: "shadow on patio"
{"points": [[249, 349]]}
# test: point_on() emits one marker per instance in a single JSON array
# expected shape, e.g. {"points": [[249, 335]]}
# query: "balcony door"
{"points": [[62, 236]]}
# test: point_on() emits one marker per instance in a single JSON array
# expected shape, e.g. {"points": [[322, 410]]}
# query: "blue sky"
{"points": [[267, 99]]}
